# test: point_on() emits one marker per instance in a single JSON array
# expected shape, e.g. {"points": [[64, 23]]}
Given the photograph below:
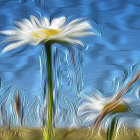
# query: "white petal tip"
{"points": [[7, 32], [91, 34], [13, 46], [2, 32], [4, 51], [81, 44], [78, 43]]}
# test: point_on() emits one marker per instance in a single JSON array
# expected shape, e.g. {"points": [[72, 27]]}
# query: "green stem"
{"points": [[112, 128], [48, 130]]}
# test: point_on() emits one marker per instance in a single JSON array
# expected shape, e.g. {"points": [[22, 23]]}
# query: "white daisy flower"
{"points": [[35, 32], [98, 104], [98, 107]]}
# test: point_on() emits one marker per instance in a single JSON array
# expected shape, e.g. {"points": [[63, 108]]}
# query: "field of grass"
{"points": [[65, 134]]}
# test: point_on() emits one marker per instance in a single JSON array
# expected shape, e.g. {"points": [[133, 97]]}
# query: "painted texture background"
{"points": [[77, 71]]}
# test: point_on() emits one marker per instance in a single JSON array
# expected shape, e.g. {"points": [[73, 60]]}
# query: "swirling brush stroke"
{"points": [[102, 60]]}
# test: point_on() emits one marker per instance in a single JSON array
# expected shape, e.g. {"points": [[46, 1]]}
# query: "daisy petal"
{"points": [[91, 117], [89, 106], [13, 46], [80, 27], [85, 106], [74, 41], [72, 23], [78, 34], [22, 26], [35, 21], [58, 22], [8, 32], [84, 112], [83, 25], [28, 23], [45, 22], [81, 34]]}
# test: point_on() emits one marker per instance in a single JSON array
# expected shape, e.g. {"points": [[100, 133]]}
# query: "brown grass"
{"points": [[66, 134]]}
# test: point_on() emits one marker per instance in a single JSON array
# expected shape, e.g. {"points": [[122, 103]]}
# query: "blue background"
{"points": [[95, 67]]}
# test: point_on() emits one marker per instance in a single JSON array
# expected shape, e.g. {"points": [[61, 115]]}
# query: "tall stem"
{"points": [[48, 130]]}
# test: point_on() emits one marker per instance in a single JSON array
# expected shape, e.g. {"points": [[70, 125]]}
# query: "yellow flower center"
{"points": [[116, 107], [45, 33]]}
